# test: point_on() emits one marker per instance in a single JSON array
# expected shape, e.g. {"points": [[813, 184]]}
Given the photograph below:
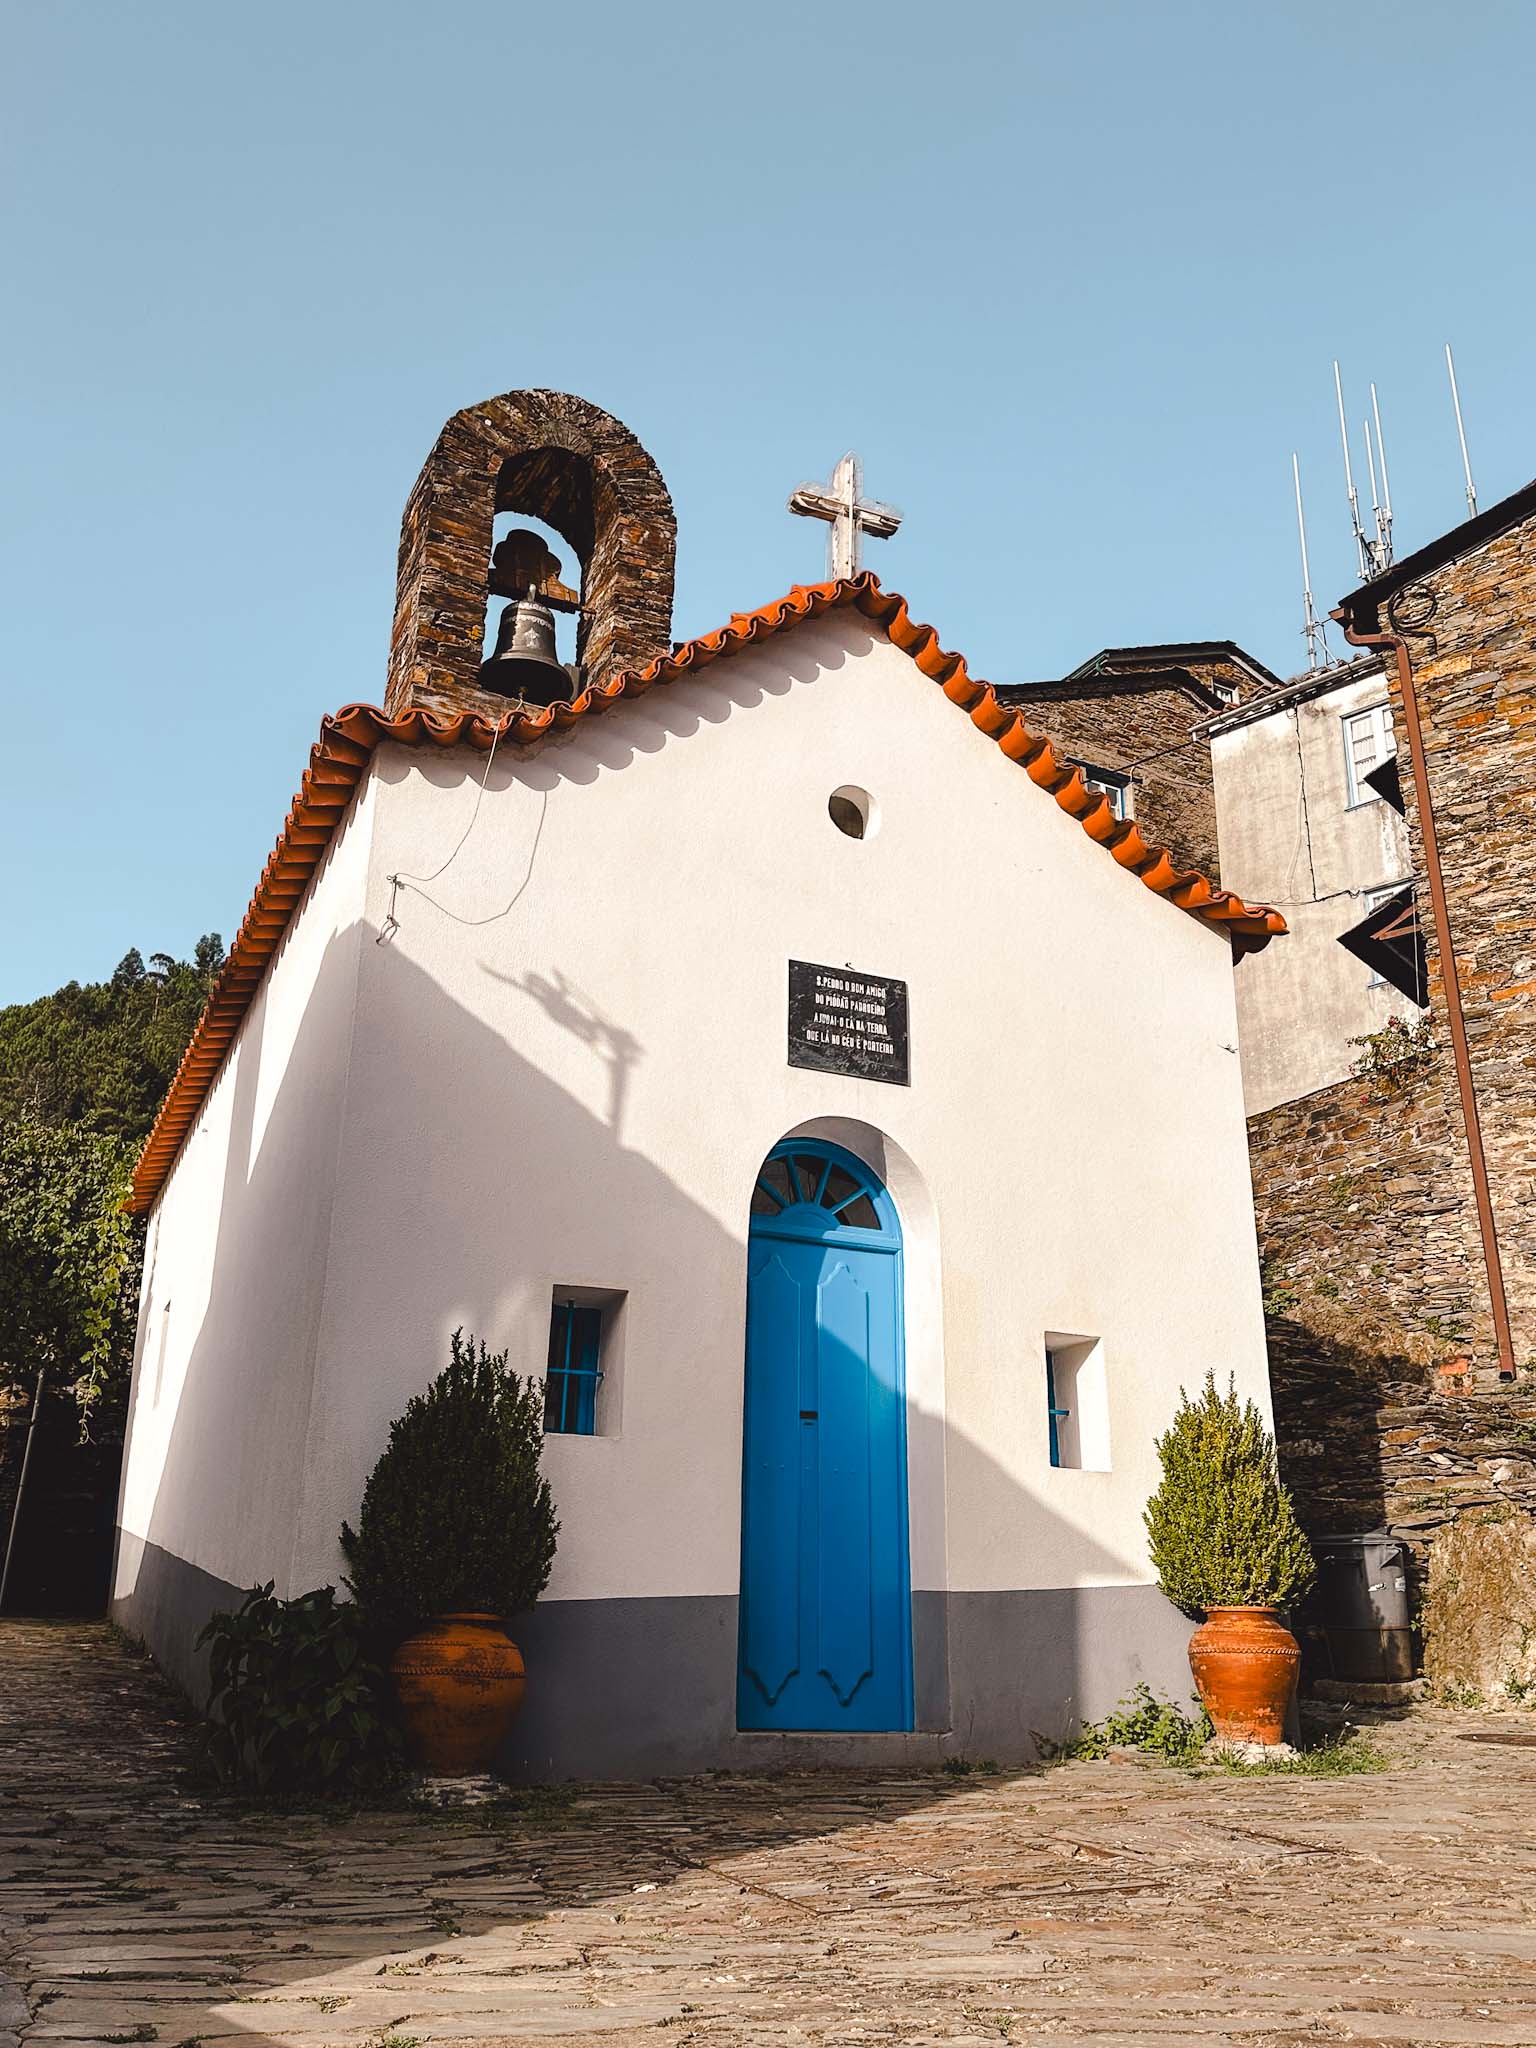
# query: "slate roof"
{"points": [[1082, 685], [1172, 654]]}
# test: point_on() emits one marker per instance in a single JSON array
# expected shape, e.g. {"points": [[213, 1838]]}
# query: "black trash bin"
{"points": [[1361, 1607]]}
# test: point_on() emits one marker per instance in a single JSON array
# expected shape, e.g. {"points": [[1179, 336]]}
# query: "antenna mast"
{"points": [[1362, 545], [1313, 631], [1461, 435], [1384, 516]]}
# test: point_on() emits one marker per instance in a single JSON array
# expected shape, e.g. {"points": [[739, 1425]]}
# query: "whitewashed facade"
{"points": [[1300, 827], [553, 1072]]}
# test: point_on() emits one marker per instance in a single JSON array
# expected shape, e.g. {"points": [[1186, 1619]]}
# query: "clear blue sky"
{"points": [[1070, 277]]}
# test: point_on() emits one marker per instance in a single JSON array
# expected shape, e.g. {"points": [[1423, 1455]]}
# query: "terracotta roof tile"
{"points": [[348, 739]]}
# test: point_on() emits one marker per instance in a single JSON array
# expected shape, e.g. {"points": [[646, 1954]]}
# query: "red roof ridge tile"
{"points": [[349, 737]]}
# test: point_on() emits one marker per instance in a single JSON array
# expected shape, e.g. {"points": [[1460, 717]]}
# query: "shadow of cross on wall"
{"points": [[575, 1011]]}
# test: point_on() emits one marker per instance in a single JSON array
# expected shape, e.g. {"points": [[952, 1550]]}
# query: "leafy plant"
{"points": [[1223, 1530], [1279, 1293], [1143, 1721], [296, 1702], [1163, 1730], [1389, 1058], [456, 1518]]}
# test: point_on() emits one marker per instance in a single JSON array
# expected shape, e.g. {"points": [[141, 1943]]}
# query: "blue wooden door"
{"points": [[825, 1600]]}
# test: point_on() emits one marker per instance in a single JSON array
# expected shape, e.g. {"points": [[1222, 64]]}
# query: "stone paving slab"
{"points": [[1111, 1905]]}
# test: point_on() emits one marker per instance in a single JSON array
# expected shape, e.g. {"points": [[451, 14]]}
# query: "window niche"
{"points": [[854, 811], [1077, 1402], [583, 1374]]}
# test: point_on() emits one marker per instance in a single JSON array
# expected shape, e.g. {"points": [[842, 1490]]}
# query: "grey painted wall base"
{"points": [[1025, 1665], [647, 1688], [164, 1601]]}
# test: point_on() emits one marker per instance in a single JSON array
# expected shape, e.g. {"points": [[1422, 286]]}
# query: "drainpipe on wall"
{"points": [[1451, 982]]}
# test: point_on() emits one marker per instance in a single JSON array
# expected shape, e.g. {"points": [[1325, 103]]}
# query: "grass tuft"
{"points": [[1337, 1756]]}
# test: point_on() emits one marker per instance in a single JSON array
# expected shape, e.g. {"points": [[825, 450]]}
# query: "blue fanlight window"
{"points": [[1054, 1409], [574, 1372]]}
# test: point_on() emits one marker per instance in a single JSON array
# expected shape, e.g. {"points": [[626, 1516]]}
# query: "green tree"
{"points": [[456, 1518], [82, 1074], [1222, 1528], [101, 1054], [69, 1258]]}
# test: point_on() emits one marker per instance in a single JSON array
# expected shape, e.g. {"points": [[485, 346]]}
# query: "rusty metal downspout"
{"points": [[1451, 981]]}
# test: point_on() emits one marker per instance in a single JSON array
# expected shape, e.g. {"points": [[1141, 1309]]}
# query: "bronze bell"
{"points": [[525, 663]]}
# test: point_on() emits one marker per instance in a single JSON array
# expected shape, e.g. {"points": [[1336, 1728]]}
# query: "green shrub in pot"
{"points": [[456, 1517], [1223, 1529]]}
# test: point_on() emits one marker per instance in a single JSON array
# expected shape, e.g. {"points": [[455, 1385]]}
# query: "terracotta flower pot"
{"points": [[1246, 1666], [459, 1683]]}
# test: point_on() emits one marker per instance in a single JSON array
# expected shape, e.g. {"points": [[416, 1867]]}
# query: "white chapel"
{"points": [[789, 1058]]}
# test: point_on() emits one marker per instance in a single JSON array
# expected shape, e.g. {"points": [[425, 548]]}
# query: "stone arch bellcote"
{"points": [[556, 458]]}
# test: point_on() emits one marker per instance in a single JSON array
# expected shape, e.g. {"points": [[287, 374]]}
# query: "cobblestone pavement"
{"points": [[1110, 1903]]}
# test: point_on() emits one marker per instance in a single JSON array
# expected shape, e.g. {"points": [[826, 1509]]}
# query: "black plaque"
{"points": [[842, 1021]]}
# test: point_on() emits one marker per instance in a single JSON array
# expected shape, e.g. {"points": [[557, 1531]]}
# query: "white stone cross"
{"points": [[849, 514]]}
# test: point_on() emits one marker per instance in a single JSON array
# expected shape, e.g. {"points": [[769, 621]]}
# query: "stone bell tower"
{"points": [[559, 459]]}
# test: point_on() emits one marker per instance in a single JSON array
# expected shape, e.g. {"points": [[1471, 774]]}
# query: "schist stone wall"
{"points": [[1365, 1197], [1371, 1440], [1388, 1412], [1470, 627], [1121, 722], [1375, 1302]]}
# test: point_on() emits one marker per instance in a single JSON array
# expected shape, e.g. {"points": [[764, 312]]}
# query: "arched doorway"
{"points": [[825, 1623]]}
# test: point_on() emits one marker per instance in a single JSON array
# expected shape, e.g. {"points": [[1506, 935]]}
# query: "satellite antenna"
{"points": [[1362, 545], [1314, 631], [1461, 435], [1384, 516]]}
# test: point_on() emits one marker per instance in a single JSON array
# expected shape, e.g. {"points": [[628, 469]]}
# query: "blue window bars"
{"points": [[573, 1373], [1054, 1410]]}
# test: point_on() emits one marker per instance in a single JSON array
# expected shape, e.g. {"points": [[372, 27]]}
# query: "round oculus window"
{"points": [[854, 811]]}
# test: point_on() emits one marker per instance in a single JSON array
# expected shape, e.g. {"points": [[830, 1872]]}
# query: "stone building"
{"points": [[641, 1018], [1390, 1347], [1133, 718], [1397, 1211]]}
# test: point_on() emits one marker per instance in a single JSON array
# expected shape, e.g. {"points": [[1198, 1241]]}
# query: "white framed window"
{"points": [[1368, 741], [1111, 783]]}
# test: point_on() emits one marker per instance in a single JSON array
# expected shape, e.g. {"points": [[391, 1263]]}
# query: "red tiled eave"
{"points": [[348, 739]]}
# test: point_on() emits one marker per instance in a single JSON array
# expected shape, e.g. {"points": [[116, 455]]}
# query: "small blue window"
{"points": [[1057, 1414], [574, 1372]]}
